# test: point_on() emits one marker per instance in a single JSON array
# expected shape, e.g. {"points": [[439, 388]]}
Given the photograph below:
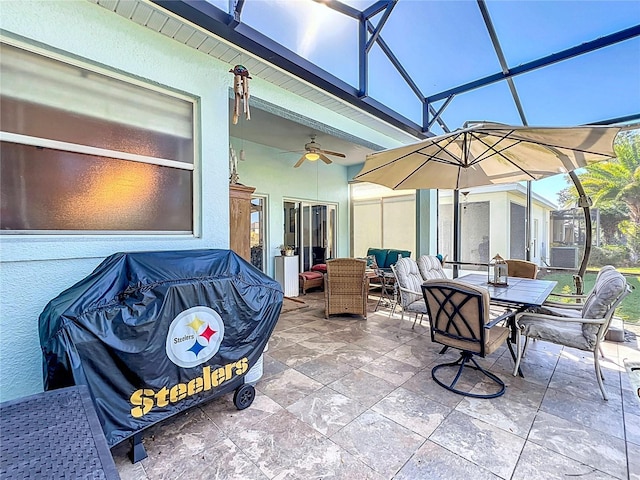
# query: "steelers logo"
{"points": [[194, 336]]}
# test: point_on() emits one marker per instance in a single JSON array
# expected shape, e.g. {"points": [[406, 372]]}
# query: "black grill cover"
{"points": [[154, 333]]}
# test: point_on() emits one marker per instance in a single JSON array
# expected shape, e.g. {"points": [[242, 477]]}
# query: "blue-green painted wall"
{"points": [[35, 269], [271, 172]]}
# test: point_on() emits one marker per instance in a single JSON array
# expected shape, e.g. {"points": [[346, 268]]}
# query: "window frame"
{"points": [[194, 167]]}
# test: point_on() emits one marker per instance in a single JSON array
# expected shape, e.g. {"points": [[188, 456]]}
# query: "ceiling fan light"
{"points": [[311, 156]]}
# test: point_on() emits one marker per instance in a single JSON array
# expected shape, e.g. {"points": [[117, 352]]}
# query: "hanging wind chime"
{"points": [[241, 90]]}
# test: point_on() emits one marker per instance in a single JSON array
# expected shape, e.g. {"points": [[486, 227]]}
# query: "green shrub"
{"points": [[617, 255]]}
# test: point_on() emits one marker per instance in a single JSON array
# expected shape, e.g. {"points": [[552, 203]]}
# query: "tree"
{"points": [[610, 218], [614, 186], [617, 180]]}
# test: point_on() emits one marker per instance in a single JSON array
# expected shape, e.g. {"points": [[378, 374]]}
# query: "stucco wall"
{"points": [[35, 269]]}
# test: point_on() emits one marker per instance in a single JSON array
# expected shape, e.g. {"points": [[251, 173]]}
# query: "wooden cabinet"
{"points": [[240, 220]]}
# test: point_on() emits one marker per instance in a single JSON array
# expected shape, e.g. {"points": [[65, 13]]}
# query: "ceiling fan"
{"points": [[314, 151]]}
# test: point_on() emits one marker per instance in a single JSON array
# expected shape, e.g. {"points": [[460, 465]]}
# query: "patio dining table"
{"points": [[518, 295]]}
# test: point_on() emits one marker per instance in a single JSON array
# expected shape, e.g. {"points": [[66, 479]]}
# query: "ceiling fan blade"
{"points": [[335, 154], [324, 159], [299, 162]]}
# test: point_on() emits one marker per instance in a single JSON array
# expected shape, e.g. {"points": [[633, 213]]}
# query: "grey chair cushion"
{"points": [[558, 311], [610, 284], [408, 277], [416, 307], [430, 267], [563, 333]]}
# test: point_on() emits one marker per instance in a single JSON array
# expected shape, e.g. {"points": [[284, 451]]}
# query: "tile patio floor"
{"points": [[352, 399]]}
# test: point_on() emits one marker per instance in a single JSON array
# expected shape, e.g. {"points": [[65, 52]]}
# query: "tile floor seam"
{"points": [[576, 460], [247, 456], [417, 346]]}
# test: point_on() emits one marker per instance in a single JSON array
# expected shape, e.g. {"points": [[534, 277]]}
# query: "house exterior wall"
{"points": [[35, 269], [271, 172]]}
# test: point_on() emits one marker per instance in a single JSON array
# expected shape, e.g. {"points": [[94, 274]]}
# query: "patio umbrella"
{"points": [[488, 153]]}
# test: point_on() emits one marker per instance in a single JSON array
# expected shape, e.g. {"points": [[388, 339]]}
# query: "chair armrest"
{"points": [[568, 295], [499, 319], [403, 289], [542, 316], [571, 306]]}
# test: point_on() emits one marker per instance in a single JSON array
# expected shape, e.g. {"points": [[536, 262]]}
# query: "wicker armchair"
{"points": [[346, 287]]}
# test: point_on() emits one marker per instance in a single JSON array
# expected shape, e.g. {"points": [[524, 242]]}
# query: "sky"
{"points": [[444, 43]]}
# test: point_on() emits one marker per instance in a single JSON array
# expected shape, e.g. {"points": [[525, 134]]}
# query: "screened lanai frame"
{"points": [[224, 18], [373, 19]]}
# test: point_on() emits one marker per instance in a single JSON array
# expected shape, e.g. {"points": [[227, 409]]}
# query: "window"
{"points": [[258, 208], [382, 218], [83, 151]]}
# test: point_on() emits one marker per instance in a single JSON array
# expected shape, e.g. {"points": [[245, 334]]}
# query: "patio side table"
{"points": [[54, 434], [388, 291]]}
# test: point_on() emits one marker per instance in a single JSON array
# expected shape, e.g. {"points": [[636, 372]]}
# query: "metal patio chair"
{"points": [[409, 280], [459, 318], [580, 326]]}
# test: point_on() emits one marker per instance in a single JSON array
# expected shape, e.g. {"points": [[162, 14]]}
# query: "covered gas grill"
{"points": [[152, 334]]}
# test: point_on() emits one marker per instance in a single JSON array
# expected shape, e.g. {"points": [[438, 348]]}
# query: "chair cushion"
{"points": [[409, 277], [380, 254], [555, 331], [610, 284], [319, 267], [310, 275], [430, 267], [558, 311], [416, 307], [495, 337]]}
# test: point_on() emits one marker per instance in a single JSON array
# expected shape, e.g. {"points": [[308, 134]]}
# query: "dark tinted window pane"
{"points": [[44, 189]]}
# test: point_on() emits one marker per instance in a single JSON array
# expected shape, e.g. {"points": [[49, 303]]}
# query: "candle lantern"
{"points": [[498, 271]]}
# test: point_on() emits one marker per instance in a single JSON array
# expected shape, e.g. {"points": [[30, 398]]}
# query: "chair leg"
{"points": [[461, 363], [599, 376], [416, 319], [513, 356], [516, 368]]}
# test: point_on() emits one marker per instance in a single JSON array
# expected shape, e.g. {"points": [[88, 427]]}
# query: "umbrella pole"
{"points": [[583, 202], [456, 232], [527, 229]]}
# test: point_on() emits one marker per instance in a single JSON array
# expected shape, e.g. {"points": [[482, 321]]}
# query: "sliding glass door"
{"points": [[311, 229], [258, 234]]}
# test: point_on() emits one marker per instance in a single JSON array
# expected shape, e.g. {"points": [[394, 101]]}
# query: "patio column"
{"points": [[426, 222]]}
